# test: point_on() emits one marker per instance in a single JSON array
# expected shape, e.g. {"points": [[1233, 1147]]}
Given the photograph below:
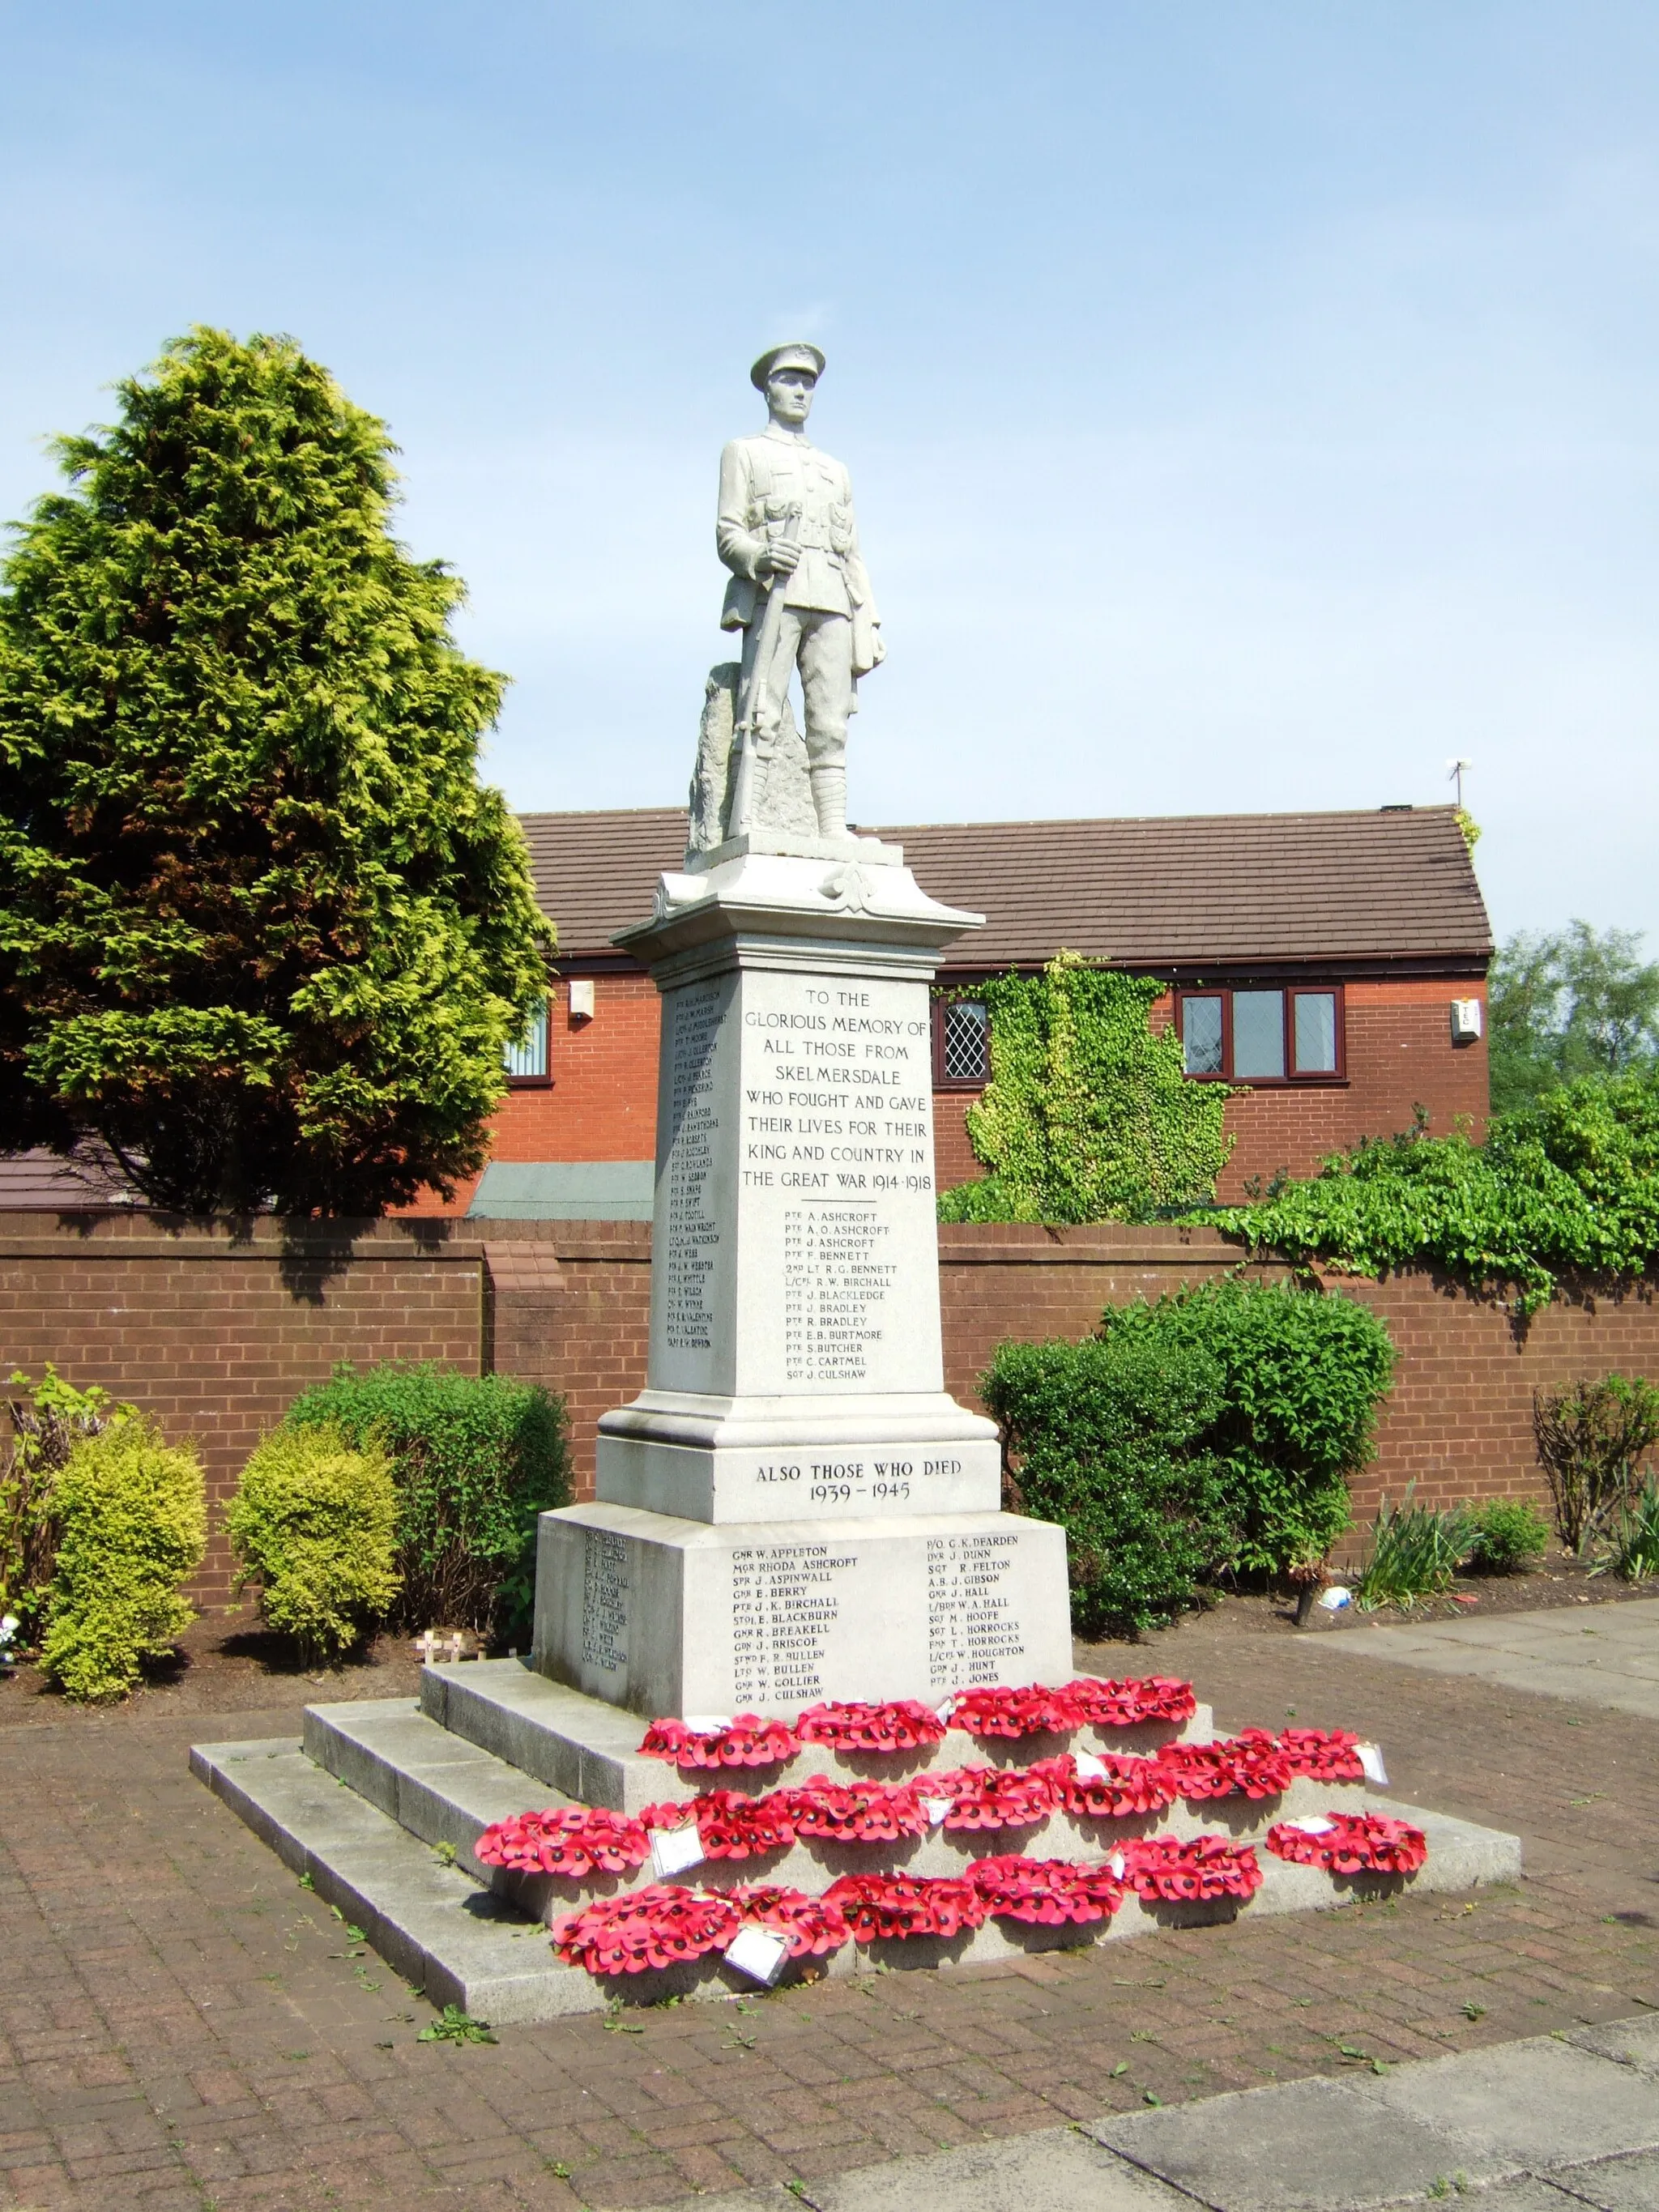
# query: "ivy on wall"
{"points": [[1569, 1186], [1088, 1115]]}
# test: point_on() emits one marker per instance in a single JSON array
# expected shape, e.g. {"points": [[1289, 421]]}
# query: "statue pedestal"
{"points": [[794, 1508]]}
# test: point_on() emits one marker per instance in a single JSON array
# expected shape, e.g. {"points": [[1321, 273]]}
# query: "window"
{"points": [[527, 1060], [962, 1043], [1263, 1036]]}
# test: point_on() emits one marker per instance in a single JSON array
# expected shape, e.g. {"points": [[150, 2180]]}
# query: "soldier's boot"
{"points": [[829, 800]]}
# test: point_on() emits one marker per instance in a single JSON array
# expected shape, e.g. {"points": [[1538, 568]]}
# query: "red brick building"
{"points": [[1332, 964]]}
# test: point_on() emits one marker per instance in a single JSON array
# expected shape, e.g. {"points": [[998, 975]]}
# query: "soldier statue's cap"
{"points": [[785, 357]]}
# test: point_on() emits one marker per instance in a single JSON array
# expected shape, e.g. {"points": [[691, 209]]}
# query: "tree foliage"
{"points": [[1089, 1116], [265, 934], [1568, 1186], [1569, 1005]]}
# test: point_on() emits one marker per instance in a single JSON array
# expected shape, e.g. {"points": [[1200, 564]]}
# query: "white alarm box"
{"points": [[1465, 1020]]}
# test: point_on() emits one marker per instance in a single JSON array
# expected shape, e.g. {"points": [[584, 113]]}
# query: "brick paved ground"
{"points": [[183, 2026]]}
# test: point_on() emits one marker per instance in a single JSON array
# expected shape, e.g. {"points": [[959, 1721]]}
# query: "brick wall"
{"points": [[214, 1333]]}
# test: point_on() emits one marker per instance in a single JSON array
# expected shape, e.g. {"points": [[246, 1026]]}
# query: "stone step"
{"points": [[590, 1751], [452, 1942], [461, 1944], [445, 1791]]}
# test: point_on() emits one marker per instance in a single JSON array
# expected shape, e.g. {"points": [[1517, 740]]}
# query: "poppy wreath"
{"points": [[902, 1725], [1129, 1785], [995, 1797], [576, 1839], [1261, 1769], [661, 1926], [1047, 1892], [731, 1826], [888, 1905], [813, 1924], [1250, 1762], [1355, 1842], [855, 1812], [1126, 1705], [1323, 1754], [1031, 1711], [1200, 1867], [746, 1742]]}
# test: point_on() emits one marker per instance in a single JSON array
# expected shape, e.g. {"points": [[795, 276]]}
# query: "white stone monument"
{"points": [[793, 1508]]}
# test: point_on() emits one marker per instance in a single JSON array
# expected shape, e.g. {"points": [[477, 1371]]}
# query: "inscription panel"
{"points": [[695, 1214], [840, 1290], [975, 1631]]}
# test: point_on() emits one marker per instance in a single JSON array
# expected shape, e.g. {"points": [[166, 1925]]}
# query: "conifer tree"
{"points": [[262, 933]]}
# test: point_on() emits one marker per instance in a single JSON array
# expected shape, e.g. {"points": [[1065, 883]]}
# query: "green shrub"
{"points": [[1568, 1186], [46, 1424], [132, 1526], [1415, 1552], [1633, 1545], [1303, 1373], [1508, 1536], [314, 1523], [476, 1458], [1591, 1439], [1103, 1437]]}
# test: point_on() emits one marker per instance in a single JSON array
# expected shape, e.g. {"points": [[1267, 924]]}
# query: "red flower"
{"points": [[855, 1812], [1354, 1842], [1323, 1754], [1129, 1785], [660, 1926], [902, 1725], [747, 1741], [1205, 1867], [1250, 1762], [573, 1839], [1031, 1711], [1048, 1892], [994, 1797], [731, 1826], [876, 1905], [813, 1924], [1125, 1704]]}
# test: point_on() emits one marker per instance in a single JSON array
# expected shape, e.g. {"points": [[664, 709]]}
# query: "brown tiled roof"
{"points": [[42, 1183], [1166, 893]]}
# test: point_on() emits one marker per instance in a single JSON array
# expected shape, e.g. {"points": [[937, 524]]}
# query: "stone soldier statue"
{"points": [[786, 523]]}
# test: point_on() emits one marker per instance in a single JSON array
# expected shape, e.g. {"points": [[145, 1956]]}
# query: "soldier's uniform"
{"points": [[830, 628]]}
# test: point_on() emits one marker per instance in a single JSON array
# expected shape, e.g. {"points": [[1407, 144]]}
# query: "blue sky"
{"points": [[1251, 405]]}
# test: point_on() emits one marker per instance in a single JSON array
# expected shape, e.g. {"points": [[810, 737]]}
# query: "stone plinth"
{"points": [[795, 1416], [676, 1616]]}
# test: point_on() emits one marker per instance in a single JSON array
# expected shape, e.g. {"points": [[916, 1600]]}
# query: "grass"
{"points": [[1415, 1553]]}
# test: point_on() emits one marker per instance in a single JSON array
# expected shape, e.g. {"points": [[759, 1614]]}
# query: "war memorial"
{"points": [[801, 1693]]}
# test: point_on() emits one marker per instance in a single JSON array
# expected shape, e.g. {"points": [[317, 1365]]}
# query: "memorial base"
{"points": [[670, 1616]]}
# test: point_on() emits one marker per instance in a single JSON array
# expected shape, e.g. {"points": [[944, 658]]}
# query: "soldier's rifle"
{"points": [[747, 736]]}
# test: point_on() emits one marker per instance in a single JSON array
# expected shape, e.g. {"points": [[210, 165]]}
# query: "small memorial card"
{"points": [[1088, 1768], [936, 1808], [1370, 1759], [757, 1953], [708, 1724], [673, 1850], [945, 1710], [1118, 1864], [1316, 1823]]}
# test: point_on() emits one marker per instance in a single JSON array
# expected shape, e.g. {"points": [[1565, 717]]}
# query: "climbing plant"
{"points": [[1089, 1116]]}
